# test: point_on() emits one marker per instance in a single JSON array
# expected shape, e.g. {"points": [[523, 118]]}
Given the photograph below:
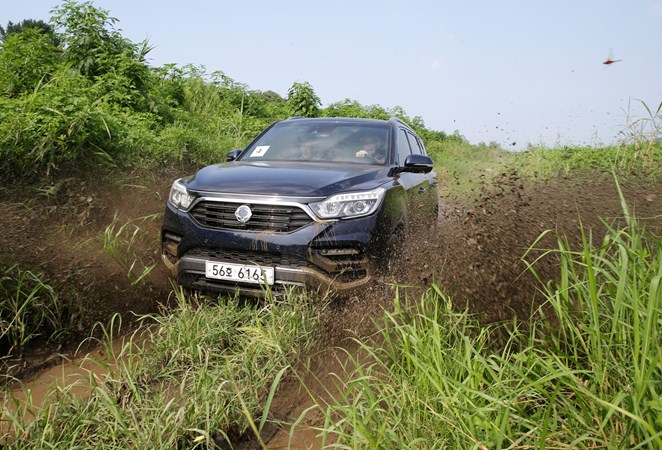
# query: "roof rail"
{"points": [[397, 119], [295, 117]]}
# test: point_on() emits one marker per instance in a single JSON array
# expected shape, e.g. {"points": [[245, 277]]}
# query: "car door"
{"points": [[418, 186], [428, 190]]}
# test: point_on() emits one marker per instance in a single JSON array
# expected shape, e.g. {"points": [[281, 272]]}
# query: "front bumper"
{"points": [[190, 271], [335, 256]]}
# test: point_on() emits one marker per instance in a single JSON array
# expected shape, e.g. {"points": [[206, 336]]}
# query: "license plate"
{"points": [[240, 273]]}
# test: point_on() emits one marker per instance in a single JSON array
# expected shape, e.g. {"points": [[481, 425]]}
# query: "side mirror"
{"points": [[232, 155], [418, 164]]}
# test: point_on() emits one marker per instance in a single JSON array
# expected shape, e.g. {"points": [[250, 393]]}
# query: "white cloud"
{"points": [[436, 64]]}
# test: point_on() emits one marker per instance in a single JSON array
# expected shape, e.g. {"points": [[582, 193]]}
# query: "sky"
{"points": [[517, 72]]}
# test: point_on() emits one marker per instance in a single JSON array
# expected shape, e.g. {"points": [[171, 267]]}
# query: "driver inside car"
{"points": [[372, 147]]}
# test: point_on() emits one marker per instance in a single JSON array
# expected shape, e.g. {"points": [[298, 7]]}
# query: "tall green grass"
{"points": [[29, 308], [119, 242], [644, 132], [588, 376], [198, 376]]}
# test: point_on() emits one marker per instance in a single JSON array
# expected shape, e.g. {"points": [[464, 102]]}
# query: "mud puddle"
{"points": [[77, 376], [73, 375]]}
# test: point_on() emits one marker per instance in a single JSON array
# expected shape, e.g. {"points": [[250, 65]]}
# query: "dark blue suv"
{"points": [[320, 203]]}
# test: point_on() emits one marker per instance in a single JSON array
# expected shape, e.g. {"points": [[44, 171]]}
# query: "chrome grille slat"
{"points": [[278, 218]]}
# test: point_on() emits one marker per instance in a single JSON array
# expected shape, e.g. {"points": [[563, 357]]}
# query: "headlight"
{"points": [[179, 196], [354, 204]]}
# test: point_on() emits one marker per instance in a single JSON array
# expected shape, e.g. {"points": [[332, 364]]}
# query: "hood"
{"points": [[287, 179]]}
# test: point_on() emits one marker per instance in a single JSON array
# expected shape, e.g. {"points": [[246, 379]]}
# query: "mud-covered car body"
{"points": [[270, 216]]}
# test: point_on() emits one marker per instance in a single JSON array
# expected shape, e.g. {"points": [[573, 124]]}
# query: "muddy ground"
{"points": [[474, 252]]}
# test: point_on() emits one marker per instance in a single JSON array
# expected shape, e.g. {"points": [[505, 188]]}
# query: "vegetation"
{"points": [[118, 242], [75, 91], [589, 377], [194, 377], [461, 166], [27, 24], [637, 159], [640, 153], [28, 308]]}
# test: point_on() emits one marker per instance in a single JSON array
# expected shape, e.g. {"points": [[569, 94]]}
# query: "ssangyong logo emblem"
{"points": [[243, 213]]}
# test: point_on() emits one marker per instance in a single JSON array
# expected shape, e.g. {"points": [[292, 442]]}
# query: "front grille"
{"points": [[276, 218]]}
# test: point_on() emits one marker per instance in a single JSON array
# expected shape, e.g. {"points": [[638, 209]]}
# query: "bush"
{"points": [[27, 59]]}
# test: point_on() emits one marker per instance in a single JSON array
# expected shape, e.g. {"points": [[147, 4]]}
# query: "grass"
{"points": [[119, 242], [29, 308], [462, 167], [626, 159], [588, 376], [196, 376]]}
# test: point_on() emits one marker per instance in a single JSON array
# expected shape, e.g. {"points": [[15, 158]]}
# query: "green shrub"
{"points": [[27, 59]]}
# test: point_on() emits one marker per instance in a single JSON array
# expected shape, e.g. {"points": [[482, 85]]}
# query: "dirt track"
{"points": [[473, 253]]}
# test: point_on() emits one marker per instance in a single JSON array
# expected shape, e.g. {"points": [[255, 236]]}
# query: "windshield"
{"points": [[322, 141]]}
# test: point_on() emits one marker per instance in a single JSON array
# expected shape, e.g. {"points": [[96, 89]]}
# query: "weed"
{"points": [[28, 308], [644, 133], [119, 242]]}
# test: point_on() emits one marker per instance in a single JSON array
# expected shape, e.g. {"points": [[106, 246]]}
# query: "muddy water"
{"points": [[301, 439], [76, 376]]}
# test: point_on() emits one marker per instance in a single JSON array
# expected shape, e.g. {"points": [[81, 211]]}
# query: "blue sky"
{"points": [[523, 72]]}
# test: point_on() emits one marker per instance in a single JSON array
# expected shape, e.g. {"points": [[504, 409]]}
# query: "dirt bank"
{"points": [[56, 227]]}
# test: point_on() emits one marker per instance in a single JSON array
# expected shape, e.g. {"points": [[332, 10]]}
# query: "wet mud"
{"points": [[475, 253]]}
